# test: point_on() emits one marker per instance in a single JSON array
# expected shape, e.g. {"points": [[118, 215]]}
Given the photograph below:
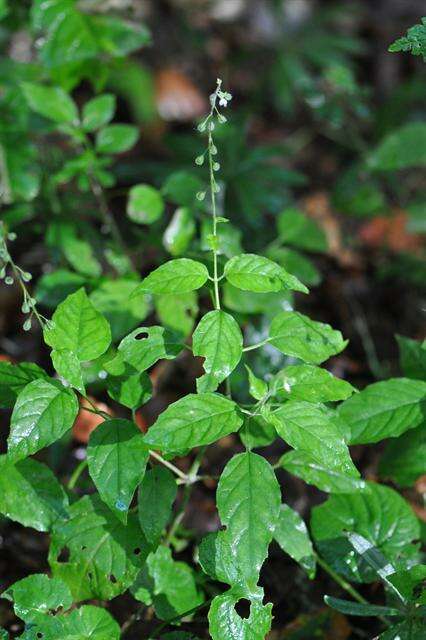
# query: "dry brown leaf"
{"points": [[390, 232], [177, 96], [86, 422]]}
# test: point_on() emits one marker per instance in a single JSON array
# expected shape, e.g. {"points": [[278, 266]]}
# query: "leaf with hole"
{"points": [[38, 595]]}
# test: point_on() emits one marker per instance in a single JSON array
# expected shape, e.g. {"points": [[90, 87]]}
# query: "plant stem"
{"points": [[169, 465], [213, 204], [257, 345], [76, 474]]}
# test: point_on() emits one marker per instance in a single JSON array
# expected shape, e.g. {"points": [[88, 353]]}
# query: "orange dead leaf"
{"points": [[177, 96], [86, 422], [390, 232]]}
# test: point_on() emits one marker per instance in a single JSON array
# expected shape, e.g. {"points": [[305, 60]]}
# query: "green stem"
{"points": [[76, 474], [213, 204], [169, 465], [346, 586], [257, 345]]}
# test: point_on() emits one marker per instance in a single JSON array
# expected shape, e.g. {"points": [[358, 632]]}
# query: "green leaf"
{"points": [[384, 409], [86, 623], [145, 204], [380, 515], [375, 559], [98, 112], [293, 537], [174, 582], [257, 432], [112, 300], [68, 367], [402, 149], [219, 340], [79, 254], [404, 459], [104, 556], [117, 460], [177, 312], [310, 383], [296, 263], [53, 288], [312, 430], [30, 494], [38, 594], [116, 138], [179, 232], [296, 229], [226, 624], [181, 187], [257, 387], [267, 304], [351, 608], [51, 102], [297, 335], [43, 412], [248, 500], [175, 276], [142, 348], [414, 41], [412, 356], [14, 377], [410, 583], [157, 492], [76, 325], [321, 475], [192, 421], [131, 391], [251, 272]]}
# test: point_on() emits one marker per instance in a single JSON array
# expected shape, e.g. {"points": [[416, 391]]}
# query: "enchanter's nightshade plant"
{"points": [[110, 541]]}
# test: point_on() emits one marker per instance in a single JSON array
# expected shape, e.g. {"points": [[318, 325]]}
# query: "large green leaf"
{"points": [[112, 299], [174, 583], [145, 204], [86, 623], [297, 335], [180, 231], [38, 594], [14, 377], [131, 391], [412, 355], [117, 460], [321, 475], [219, 340], [226, 624], [175, 276], [401, 149], [293, 537], [44, 411], [192, 421], [251, 272], [296, 229], [248, 500], [404, 459], [68, 367], [380, 515], [384, 409], [30, 494], [98, 111], [157, 492], [116, 138], [142, 348], [310, 383], [51, 102], [76, 325], [311, 429], [103, 556]]}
